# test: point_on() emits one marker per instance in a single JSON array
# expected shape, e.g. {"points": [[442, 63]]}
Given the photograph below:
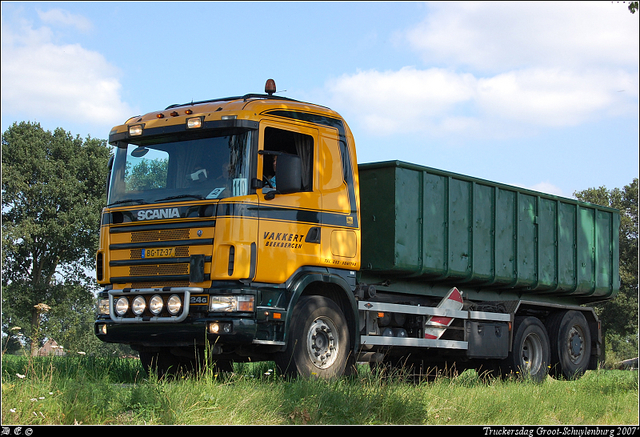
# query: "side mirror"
{"points": [[289, 174]]}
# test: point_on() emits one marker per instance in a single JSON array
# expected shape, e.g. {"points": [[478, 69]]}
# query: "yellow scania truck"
{"points": [[242, 228]]}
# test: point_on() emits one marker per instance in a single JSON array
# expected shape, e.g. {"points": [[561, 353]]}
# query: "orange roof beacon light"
{"points": [[270, 87]]}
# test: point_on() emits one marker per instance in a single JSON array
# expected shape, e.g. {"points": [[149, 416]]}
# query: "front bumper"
{"points": [[188, 333], [194, 325]]}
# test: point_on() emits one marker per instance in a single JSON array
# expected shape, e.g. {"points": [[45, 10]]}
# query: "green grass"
{"points": [[97, 391]]}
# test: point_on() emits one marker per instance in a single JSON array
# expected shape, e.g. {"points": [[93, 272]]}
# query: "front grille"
{"points": [[129, 267], [159, 235], [159, 269]]}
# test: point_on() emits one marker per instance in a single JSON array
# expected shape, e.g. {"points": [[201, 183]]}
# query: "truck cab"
{"points": [[220, 215]]}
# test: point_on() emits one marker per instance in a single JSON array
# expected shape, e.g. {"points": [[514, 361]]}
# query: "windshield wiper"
{"points": [[182, 196], [138, 201]]}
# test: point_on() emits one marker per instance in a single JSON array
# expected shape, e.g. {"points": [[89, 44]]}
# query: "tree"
{"points": [[53, 189], [620, 315]]}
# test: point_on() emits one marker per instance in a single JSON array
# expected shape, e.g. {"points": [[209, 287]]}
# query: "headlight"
{"points": [[231, 303], [138, 305], [103, 306], [174, 304], [156, 304], [122, 305]]}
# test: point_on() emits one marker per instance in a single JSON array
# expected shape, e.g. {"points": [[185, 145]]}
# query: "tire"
{"points": [[318, 340], [570, 340], [530, 354]]}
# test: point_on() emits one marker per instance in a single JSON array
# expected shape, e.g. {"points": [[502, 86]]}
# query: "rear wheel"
{"points": [[530, 355], [318, 341], [570, 340]]}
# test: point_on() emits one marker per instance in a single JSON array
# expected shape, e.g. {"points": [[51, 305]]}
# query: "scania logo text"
{"points": [[153, 214]]}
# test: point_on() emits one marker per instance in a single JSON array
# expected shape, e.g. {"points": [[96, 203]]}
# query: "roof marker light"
{"points": [[135, 130], [194, 122]]}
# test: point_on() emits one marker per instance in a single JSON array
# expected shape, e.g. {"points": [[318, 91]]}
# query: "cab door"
{"points": [[289, 228]]}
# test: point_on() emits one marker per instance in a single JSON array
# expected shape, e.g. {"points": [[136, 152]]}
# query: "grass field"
{"points": [[110, 391]]}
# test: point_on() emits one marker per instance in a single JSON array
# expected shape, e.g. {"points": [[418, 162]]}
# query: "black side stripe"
{"points": [[248, 210], [280, 213]]}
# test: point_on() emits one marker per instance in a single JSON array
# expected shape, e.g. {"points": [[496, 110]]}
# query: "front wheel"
{"points": [[530, 354], [318, 340]]}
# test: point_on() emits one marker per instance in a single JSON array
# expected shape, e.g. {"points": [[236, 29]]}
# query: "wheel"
{"points": [[570, 340], [530, 353], [318, 340]]}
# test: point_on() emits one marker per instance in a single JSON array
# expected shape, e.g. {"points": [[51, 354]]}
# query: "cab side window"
{"points": [[280, 141]]}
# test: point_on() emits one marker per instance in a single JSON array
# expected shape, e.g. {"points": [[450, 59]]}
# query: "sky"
{"points": [[538, 95]]}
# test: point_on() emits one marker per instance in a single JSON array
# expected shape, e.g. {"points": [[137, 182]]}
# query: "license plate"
{"points": [[160, 252]]}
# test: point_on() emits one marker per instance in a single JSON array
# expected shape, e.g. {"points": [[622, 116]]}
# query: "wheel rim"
{"points": [[575, 344], [531, 354], [323, 343]]}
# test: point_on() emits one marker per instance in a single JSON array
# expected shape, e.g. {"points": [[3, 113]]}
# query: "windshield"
{"points": [[203, 168]]}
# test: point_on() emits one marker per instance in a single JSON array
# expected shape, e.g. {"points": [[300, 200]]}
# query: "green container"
{"points": [[440, 227]]}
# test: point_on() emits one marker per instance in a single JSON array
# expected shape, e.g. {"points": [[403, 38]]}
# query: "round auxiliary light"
{"points": [[156, 304], [174, 304], [138, 306], [122, 306]]}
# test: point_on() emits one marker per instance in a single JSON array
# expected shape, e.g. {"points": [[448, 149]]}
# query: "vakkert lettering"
{"points": [[153, 214], [282, 239]]}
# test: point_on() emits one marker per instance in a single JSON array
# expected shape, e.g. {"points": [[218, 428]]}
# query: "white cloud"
{"points": [[400, 100], [443, 101], [555, 97], [513, 68], [494, 36], [65, 18], [42, 79]]}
